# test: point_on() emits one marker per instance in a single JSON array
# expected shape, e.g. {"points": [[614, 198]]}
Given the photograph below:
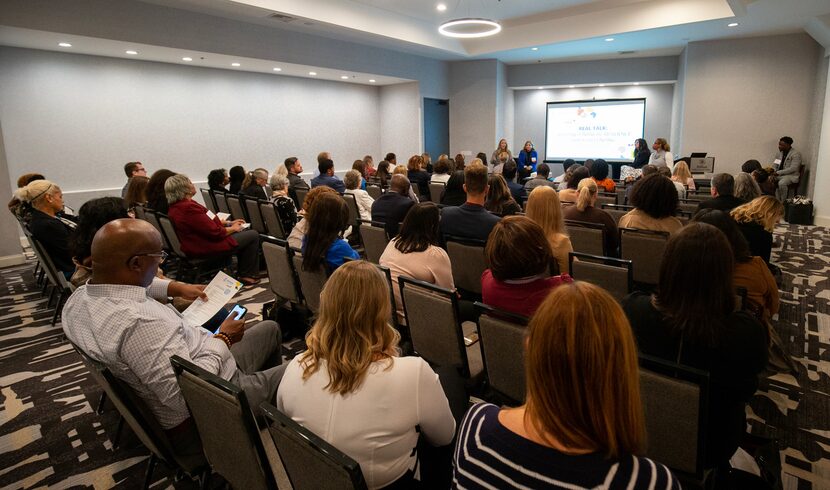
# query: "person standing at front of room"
{"points": [[661, 154], [527, 161], [787, 165]]}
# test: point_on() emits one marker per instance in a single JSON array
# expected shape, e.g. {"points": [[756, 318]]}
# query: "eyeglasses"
{"points": [[163, 256]]}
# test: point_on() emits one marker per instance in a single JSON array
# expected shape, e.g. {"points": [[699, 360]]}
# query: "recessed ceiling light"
{"points": [[601, 84], [540, 88], [344, 77], [571, 86], [440, 7], [636, 83], [277, 69], [312, 73], [609, 39], [65, 45], [131, 52], [372, 81], [733, 24], [235, 64], [534, 49], [187, 58]]}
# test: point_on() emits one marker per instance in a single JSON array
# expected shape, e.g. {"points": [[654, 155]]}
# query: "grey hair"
{"points": [[278, 182], [177, 188], [745, 187], [352, 179]]}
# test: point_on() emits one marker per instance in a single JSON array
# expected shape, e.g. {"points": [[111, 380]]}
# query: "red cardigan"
{"points": [[522, 299], [199, 235]]}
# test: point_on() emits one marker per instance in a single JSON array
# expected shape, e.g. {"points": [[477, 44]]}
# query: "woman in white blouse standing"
{"points": [[352, 181], [661, 154], [352, 390]]}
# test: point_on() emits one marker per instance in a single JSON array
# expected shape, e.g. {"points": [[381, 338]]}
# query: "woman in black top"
{"points": [[757, 220], [691, 320], [641, 153], [47, 223], [218, 179], [418, 176], [236, 175], [454, 194], [499, 199]]}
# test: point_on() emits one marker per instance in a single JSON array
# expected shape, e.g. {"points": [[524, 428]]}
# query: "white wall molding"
{"points": [[10, 260]]}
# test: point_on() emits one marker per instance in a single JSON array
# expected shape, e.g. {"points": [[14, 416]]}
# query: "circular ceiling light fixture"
{"points": [[469, 27]]}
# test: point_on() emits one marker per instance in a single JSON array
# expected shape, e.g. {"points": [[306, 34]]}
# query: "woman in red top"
{"points": [[202, 236], [520, 260]]}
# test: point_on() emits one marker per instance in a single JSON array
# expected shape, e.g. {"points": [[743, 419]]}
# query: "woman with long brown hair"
{"points": [[323, 244], [499, 199], [351, 388], [581, 425]]}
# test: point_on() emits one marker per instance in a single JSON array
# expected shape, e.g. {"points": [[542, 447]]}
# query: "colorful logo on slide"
{"points": [[585, 112]]}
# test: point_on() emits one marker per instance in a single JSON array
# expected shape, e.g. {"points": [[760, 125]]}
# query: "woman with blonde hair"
{"points": [[501, 148], [573, 431], [586, 210], [661, 154], [351, 388], [47, 223], [757, 220], [683, 175], [544, 208]]}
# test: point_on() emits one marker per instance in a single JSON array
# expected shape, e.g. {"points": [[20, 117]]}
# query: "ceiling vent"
{"points": [[282, 17]]}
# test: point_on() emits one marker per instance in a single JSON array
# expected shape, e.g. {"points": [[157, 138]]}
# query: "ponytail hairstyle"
{"points": [[249, 179], [587, 190]]}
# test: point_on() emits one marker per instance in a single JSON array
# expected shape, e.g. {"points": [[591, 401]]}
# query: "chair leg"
{"points": [[204, 479], [148, 476], [51, 297], [58, 306], [101, 401], [118, 431]]}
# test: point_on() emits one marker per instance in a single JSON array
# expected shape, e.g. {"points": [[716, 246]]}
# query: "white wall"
{"points": [[78, 118], [624, 70], [529, 120], [474, 106], [742, 95], [822, 168], [400, 121]]}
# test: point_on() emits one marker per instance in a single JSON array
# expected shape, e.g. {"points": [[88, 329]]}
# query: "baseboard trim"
{"points": [[24, 242], [10, 260], [822, 221]]}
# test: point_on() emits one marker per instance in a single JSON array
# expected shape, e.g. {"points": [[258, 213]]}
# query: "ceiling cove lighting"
{"points": [[344, 77], [313, 73], [235, 64], [469, 27], [187, 58], [534, 49], [277, 69], [609, 39], [65, 45], [132, 52], [441, 7], [571, 86], [372, 81], [601, 84], [733, 24]]}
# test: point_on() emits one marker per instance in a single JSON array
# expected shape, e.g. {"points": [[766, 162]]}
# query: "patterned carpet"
{"points": [[50, 435]]}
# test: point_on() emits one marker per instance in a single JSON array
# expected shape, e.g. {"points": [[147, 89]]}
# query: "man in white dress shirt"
{"points": [[115, 320]]}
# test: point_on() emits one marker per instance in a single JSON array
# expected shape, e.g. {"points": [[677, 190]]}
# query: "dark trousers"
{"points": [[247, 252]]}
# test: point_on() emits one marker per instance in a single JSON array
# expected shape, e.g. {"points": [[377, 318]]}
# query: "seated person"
{"points": [[570, 165], [418, 176], [415, 252], [569, 193], [218, 180], [520, 262], [256, 184], [47, 223], [599, 172], [746, 188], [441, 171], [680, 188], [499, 161], [351, 388], [499, 200], [586, 210], [543, 208], [516, 190], [156, 198], [699, 327], [327, 177], [391, 207], [756, 220], [285, 205], [454, 194], [136, 192], [112, 319], [297, 235], [683, 175], [94, 214], [580, 355], [723, 189], [295, 182], [541, 178], [364, 201], [470, 220], [236, 176], [323, 245], [655, 202], [132, 169], [20, 210], [201, 236]]}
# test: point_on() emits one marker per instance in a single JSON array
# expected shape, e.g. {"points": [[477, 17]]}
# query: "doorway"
{"points": [[436, 127]]}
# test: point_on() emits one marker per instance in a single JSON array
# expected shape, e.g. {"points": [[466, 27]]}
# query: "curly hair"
{"points": [[91, 217], [655, 195]]}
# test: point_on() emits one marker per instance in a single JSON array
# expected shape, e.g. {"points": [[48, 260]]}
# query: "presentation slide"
{"points": [[594, 129]]}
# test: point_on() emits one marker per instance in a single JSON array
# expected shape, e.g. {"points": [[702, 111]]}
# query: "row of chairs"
{"points": [[51, 277], [261, 214]]}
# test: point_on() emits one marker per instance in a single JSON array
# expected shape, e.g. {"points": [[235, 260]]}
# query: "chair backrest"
{"points": [[169, 233], [688, 205], [502, 337], [374, 238], [616, 211], [468, 263], [674, 401], [586, 237], [645, 249], [606, 199], [221, 202], [435, 191], [620, 196], [432, 316], [416, 189], [271, 218], [301, 193], [311, 282], [227, 427], [310, 462], [235, 204], [55, 276], [614, 275], [139, 212], [150, 217], [207, 196], [374, 191], [281, 275], [354, 212], [255, 215]]}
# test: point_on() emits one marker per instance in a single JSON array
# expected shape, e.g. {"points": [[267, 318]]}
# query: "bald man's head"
{"points": [[120, 253], [400, 184]]}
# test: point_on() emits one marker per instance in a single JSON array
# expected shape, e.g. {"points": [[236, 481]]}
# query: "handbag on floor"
{"points": [[798, 211]]}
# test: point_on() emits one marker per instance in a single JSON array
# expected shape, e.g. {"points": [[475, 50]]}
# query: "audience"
{"points": [[295, 182], [369, 165], [454, 194], [481, 157], [323, 245], [418, 176], [94, 214], [203, 237], [256, 184], [723, 188], [364, 201], [655, 202], [426, 163], [112, 321], [383, 175], [297, 235], [351, 388], [746, 188], [136, 192], [691, 320], [544, 208], [541, 179], [569, 194], [562, 179], [599, 172], [156, 198], [361, 169], [441, 171], [218, 180], [756, 220], [236, 175], [586, 211], [519, 261], [47, 224], [516, 190], [391, 207], [680, 188], [286, 211], [459, 162], [327, 177], [20, 209], [683, 175], [470, 220], [582, 423], [391, 158], [132, 169], [499, 199]]}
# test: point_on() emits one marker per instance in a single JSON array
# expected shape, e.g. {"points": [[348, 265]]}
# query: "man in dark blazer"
{"points": [[723, 188], [391, 207], [295, 168], [470, 220]]}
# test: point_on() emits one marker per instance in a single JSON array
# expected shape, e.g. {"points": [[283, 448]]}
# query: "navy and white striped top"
{"points": [[489, 455]]}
